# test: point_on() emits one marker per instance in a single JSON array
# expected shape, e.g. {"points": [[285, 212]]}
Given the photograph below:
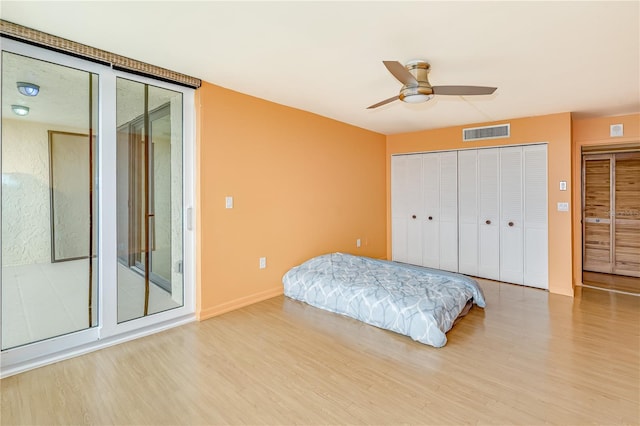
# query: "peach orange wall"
{"points": [[556, 131], [590, 132], [302, 184]]}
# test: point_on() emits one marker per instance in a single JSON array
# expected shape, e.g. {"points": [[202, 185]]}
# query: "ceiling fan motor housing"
{"points": [[421, 92]]}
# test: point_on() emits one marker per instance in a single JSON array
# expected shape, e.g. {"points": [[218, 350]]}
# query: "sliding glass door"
{"points": [[150, 199], [97, 187], [49, 209]]}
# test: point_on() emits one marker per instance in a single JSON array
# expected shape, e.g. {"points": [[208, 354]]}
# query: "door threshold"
{"points": [[610, 290]]}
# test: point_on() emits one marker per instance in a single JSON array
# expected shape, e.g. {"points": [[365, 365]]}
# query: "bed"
{"points": [[421, 303]]}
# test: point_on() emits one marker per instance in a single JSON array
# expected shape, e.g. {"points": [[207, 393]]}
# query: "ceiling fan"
{"points": [[416, 87]]}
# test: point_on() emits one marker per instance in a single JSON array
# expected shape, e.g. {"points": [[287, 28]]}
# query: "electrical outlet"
{"points": [[358, 243], [263, 262]]}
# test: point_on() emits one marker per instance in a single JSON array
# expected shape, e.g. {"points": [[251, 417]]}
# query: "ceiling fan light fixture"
{"points": [[416, 94], [20, 110], [416, 87], [28, 89], [417, 98]]}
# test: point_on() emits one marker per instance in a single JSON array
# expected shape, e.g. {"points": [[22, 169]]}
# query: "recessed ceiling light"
{"points": [[28, 89], [20, 110]]}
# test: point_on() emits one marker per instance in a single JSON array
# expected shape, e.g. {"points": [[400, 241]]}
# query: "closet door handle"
{"points": [[510, 223], [413, 217], [430, 217], [488, 222]]}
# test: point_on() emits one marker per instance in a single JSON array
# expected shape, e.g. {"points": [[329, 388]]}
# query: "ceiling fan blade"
{"points": [[386, 101], [400, 72], [463, 90]]}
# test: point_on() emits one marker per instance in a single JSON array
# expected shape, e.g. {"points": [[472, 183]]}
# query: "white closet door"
{"points": [[449, 211], [511, 217], [468, 255], [431, 210], [535, 216], [488, 214], [399, 208], [406, 206], [414, 209]]}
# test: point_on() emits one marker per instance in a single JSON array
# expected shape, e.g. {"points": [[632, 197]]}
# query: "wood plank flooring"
{"points": [[611, 282], [529, 358]]}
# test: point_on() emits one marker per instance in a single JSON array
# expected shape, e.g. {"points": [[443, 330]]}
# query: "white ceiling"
{"points": [[326, 57]]}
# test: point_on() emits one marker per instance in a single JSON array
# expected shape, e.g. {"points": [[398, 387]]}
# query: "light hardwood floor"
{"points": [[529, 358], [611, 282]]}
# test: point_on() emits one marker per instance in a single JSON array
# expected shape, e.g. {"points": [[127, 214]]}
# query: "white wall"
{"points": [[162, 200]]}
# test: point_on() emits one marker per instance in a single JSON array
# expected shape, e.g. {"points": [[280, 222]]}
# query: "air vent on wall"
{"points": [[487, 132]]}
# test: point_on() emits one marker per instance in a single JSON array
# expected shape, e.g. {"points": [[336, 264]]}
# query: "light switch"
{"points": [[563, 207], [228, 202], [563, 185]]}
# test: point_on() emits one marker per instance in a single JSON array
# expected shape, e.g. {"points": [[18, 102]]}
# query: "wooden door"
{"points": [[596, 213], [611, 213], [626, 217]]}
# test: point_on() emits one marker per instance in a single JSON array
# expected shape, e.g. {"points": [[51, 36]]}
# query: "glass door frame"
{"points": [[108, 332]]}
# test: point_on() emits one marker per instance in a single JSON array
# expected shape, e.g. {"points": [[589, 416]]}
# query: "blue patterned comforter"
{"points": [[419, 302]]}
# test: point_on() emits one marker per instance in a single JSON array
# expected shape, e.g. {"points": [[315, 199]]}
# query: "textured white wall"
{"points": [[162, 205], [26, 236]]}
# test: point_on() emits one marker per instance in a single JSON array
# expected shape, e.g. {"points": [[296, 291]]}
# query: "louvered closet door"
{"points": [[414, 204], [627, 215], [468, 254], [488, 214], [448, 221], [406, 199], [399, 208], [596, 220], [431, 210], [511, 216], [611, 213], [535, 217]]}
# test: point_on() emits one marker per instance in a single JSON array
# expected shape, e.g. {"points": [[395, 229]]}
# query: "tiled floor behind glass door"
{"points": [[51, 299]]}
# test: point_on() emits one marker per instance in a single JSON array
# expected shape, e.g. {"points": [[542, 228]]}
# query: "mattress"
{"points": [[422, 303]]}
